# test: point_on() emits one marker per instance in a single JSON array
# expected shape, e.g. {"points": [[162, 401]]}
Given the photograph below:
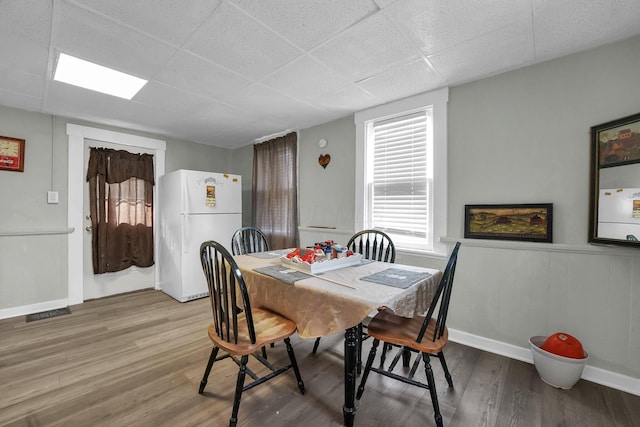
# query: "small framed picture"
{"points": [[524, 222], [617, 142]]}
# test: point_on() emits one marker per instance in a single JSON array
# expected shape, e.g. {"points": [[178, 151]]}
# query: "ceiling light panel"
{"points": [[85, 74]]}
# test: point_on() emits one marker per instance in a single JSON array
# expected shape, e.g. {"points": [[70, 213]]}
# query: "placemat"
{"points": [[270, 254], [287, 275], [396, 277]]}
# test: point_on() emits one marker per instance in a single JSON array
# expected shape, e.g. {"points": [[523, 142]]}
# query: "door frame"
{"points": [[75, 211]]}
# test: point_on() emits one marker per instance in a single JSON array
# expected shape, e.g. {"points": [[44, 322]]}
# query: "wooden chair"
{"points": [[238, 329], [425, 335], [247, 240], [374, 245]]}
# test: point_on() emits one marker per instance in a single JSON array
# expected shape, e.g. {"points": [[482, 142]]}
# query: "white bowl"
{"points": [[557, 371]]}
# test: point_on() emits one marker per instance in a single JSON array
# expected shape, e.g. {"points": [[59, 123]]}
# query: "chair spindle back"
{"points": [[443, 296], [247, 240], [227, 289], [374, 245]]}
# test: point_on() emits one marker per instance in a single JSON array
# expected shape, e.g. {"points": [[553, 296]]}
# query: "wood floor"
{"points": [[136, 360]]}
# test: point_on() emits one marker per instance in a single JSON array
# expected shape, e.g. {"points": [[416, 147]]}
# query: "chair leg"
{"points": [[447, 375], [264, 352], [383, 356], [315, 345], [367, 368], [205, 377], [239, 386], [294, 364], [359, 350], [406, 358], [432, 389]]}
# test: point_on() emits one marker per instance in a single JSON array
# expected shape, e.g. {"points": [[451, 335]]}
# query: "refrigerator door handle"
{"points": [[186, 233], [185, 196]]}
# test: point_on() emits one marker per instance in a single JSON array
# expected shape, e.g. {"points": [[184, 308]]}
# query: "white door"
{"points": [[102, 285], [77, 211]]}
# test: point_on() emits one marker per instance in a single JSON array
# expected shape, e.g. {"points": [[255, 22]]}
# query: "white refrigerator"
{"points": [[619, 213], [194, 207]]}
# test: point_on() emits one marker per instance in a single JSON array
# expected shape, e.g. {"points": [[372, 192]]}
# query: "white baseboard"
{"points": [[597, 375], [6, 313]]}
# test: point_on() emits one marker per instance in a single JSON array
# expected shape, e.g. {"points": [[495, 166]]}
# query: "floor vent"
{"points": [[48, 314]]}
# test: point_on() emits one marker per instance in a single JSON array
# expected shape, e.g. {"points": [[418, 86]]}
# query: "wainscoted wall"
{"points": [[508, 292], [32, 278], [33, 234], [520, 137]]}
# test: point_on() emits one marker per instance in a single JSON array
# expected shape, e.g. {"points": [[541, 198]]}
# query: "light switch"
{"points": [[52, 197]]}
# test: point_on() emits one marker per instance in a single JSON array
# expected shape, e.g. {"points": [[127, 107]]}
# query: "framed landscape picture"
{"points": [[524, 222], [617, 142]]}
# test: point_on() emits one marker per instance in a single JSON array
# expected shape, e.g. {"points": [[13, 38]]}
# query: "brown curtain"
{"points": [[121, 208], [275, 190]]}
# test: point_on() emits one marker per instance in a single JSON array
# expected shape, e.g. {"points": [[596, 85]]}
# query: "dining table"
{"points": [[337, 300]]}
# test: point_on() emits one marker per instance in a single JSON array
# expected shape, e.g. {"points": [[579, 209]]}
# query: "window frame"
{"points": [[437, 101]]}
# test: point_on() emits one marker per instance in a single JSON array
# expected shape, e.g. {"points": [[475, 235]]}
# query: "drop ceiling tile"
{"points": [[189, 72], [347, 100], [93, 38], [221, 133], [366, 49], [24, 55], [236, 138], [71, 101], [160, 96], [384, 3], [72, 98], [173, 21], [308, 23], [234, 40], [28, 19], [272, 104], [403, 80], [501, 50], [153, 120], [222, 115], [13, 80], [20, 100], [305, 78], [437, 25], [567, 26]]}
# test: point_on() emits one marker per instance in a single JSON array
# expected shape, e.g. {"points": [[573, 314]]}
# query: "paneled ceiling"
{"points": [[227, 72]]}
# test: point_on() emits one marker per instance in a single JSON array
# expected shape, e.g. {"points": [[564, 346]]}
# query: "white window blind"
{"points": [[400, 176]]}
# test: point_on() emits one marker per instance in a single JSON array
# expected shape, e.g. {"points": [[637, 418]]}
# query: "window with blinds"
{"points": [[399, 170]]}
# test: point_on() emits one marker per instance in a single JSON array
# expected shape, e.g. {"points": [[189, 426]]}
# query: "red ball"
{"points": [[563, 345]]}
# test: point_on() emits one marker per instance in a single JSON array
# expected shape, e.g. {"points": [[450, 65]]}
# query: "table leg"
{"points": [[350, 356]]}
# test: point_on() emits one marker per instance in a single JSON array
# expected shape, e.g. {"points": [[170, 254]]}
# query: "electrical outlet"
{"points": [[52, 197]]}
